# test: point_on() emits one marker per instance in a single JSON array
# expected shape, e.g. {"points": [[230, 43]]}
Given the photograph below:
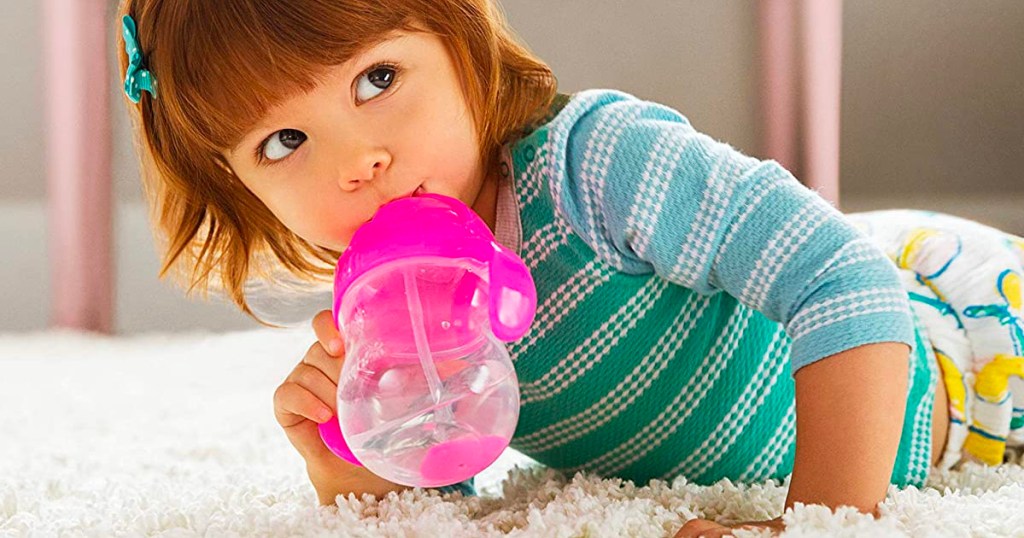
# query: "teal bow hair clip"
{"points": [[136, 77]]}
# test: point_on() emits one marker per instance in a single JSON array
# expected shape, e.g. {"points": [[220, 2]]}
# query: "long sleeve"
{"points": [[649, 193]]}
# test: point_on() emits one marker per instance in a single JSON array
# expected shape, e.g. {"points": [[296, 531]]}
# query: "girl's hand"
{"points": [[306, 399], [709, 529]]}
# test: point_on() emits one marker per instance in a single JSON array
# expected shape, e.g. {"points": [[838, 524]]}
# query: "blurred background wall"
{"points": [[932, 116]]}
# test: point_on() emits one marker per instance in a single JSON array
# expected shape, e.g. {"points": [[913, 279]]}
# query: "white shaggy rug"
{"points": [[173, 435]]}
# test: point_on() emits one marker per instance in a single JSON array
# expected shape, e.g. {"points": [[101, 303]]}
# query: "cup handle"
{"points": [[513, 297], [330, 432]]}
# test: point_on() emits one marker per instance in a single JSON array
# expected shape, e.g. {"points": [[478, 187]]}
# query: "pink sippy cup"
{"points": [[424, 297]]}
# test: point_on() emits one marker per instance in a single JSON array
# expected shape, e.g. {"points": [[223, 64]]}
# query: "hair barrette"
{"points": [[136, 78]]}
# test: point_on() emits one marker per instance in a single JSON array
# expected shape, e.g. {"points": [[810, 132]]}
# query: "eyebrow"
{"points": [[356, 59]]}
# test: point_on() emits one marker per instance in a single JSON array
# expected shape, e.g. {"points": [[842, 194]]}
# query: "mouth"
{"points": [[415, 192]]}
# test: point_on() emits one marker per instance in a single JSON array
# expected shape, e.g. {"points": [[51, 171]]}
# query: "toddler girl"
{"points": [[700, 313]]}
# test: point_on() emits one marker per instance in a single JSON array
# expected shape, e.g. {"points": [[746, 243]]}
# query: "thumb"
{"points": [[327, 333]]}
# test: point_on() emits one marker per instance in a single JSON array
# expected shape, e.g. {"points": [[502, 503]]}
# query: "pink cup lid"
{"points": [[437, 225]]}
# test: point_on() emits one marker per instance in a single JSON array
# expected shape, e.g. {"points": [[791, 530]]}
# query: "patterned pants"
{"points": [[964, 282]]}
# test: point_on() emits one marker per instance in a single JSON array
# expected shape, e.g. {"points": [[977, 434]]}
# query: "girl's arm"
{"points": [[650, 193], [847, 434], [847, 431]]}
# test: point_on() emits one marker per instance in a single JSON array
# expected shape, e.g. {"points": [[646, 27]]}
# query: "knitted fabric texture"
{"points": [[680, 284]]}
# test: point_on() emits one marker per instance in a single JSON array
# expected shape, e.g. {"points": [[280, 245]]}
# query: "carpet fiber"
{"points": [[174, 435]]}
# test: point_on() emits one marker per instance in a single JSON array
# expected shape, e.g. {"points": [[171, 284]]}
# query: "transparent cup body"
{"points": [[427, 395]]}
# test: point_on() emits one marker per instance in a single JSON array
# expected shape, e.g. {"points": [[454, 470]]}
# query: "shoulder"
{"points": [[602, 127], [606, 111], [588, 158]]}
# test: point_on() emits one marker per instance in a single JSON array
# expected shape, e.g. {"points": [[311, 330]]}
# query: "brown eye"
{"points": [[374, 82], [280, 144]]}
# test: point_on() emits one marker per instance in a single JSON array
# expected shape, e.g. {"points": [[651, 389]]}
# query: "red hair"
{"points": [[222, 65]]}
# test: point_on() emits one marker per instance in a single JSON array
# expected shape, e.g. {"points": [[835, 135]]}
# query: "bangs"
{"points": [[245, 57]]}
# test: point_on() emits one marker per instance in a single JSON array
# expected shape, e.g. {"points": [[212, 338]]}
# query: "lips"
{"points": [[415, 192]]}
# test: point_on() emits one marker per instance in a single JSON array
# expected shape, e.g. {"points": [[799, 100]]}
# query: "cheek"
{"points": [[441, 132], [321, 223], [305, 217], [315, 218], [451, 151]]}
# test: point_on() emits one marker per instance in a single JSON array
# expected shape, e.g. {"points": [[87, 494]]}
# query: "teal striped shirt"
{"points": [[680, 284]]}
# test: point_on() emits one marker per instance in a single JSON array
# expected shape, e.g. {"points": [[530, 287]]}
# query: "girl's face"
{"points": [[390, 122]]}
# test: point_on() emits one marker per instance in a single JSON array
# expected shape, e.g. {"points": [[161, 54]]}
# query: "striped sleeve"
{"points": [[650, 193]]}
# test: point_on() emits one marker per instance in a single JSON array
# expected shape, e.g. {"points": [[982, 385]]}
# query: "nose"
{"points": [[360, 166]]}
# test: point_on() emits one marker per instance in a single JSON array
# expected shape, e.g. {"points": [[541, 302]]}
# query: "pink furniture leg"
{"points": [[779, 81], [822, 23], [76, 34], [816, 70]]}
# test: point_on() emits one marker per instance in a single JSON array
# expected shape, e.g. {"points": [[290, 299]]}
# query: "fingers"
{"points": [[318, 358], [295, 403], [327, 333], [699, 528], [709, 529], [328, 352], [310, 390], [308, 396], [300, 414]]}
